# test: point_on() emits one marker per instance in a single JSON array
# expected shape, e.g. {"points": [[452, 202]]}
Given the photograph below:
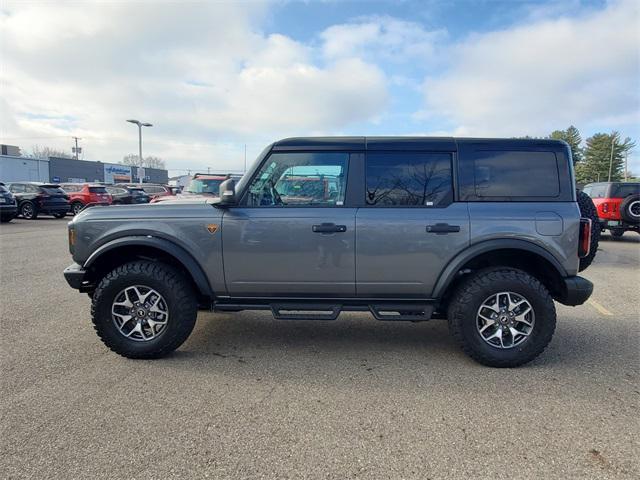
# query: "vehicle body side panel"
{"points": [[186, 225], [396, 256], [274, 251], [522, 220]]}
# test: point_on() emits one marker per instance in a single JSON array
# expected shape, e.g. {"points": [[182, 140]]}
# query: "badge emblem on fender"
{"points": [[212, 227]]}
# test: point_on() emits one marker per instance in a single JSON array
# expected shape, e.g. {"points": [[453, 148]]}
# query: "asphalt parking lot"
{"points": [[250, 397]]}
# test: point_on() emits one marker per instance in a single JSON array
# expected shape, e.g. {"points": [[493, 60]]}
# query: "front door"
{"points": [[291, 234]]}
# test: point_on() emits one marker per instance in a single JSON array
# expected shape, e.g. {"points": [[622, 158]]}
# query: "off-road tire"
{"points": [[588, 210], [616, 232], [470, 294], [28, 210], [629, 209], [166, 280]]}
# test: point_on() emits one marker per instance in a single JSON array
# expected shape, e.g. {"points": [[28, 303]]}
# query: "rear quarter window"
{"points": [[623, 191], [515, 174]]}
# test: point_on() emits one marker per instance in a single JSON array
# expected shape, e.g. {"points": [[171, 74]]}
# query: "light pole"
{"points": [[140, 125]]}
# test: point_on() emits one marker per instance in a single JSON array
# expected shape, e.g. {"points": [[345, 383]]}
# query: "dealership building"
{"points": [[15, 168]]}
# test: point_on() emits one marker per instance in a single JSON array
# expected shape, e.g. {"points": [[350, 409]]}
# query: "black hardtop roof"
{"points": [[407, 143]]}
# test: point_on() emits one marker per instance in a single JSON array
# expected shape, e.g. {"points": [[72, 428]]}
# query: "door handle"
{"points": [[442, 228], [329, 228]]}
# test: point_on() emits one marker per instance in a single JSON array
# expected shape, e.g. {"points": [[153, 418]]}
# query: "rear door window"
{"points": [[52, 190], [98, 190], [516, 174], [408, 179], [17, 188]]}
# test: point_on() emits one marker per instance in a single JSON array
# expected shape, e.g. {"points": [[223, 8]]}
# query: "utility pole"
{"points": [[76, 150], [613, 142]]}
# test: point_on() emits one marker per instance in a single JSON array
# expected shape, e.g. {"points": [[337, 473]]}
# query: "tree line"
{"points": [[602, 156]]}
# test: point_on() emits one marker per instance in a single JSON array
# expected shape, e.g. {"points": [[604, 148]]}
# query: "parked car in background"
{"points": [[618, 205], [128, 195], [201, 185], [83, 194], [36, 198], [154, 190], [8, 207]]}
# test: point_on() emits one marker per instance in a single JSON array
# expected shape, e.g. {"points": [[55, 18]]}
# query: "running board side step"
{"points": [[325, 311], [305, 311], [403, 312]]}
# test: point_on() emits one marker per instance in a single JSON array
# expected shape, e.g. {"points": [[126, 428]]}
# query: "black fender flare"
{"points": [[453, 267], [170, 248]]}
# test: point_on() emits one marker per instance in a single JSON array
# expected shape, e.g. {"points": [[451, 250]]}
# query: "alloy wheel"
{"points": [[140, 313], [505, 320]]}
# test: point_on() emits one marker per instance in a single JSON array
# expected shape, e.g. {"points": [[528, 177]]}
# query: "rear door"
{"points": [[409, 228], [292, 234]]}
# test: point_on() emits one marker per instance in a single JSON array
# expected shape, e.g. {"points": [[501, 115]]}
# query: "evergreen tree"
{"points": [[572, 136], [598, 158]]}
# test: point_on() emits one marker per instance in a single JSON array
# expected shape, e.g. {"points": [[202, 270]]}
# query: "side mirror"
{"points": [[227, 193]]}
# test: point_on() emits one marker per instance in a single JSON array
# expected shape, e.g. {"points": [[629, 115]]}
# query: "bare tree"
{"points": [[148, 162], [45, 152]]}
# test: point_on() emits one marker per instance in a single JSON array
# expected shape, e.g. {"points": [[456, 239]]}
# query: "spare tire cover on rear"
{"points": [[588, 210], [630, 209]]}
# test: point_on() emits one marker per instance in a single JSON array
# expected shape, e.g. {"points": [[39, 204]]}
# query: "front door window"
{"points": [[300, 179]]}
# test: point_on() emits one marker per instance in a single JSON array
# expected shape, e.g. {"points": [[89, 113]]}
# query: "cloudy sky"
{"points": [[214, 76]]}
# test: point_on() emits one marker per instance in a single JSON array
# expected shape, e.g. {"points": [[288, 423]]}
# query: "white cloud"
{"points": [[204, 74], [547, 74], [384, 37]]}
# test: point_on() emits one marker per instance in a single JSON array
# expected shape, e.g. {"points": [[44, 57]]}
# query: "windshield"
{"points": [[201, 185]]}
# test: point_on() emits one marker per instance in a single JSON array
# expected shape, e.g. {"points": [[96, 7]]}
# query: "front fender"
{"points": [[170, 248]]}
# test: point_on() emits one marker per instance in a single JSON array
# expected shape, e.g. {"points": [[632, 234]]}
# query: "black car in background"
{"points": [[35, 198], [8, 207], [122, 194]]}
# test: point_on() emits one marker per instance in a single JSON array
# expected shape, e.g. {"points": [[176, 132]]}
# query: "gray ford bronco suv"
{"points": [[485, 233]]}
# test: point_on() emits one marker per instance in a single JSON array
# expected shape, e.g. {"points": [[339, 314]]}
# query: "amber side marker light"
{"points": [[72, 237]]}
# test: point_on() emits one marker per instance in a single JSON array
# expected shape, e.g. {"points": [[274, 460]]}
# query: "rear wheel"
{"points": [[6, 219], [588, 210], [28, 211], [617, 232], [144, 309], [502, 318]]}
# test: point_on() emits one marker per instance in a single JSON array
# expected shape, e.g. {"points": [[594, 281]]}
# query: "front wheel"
{"points": [[76, 207], [144, 309], [502, 318]]}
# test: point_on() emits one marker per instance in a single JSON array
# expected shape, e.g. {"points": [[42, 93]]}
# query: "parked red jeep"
{"points": [[83, 194], [618, 205]]}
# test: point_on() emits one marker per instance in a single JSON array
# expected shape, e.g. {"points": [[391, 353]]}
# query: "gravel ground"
{"points": [[250, 397]]}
